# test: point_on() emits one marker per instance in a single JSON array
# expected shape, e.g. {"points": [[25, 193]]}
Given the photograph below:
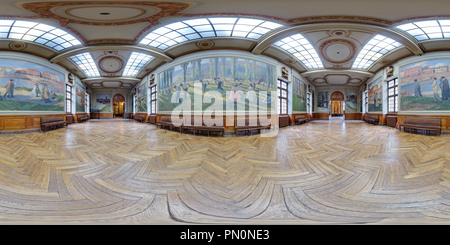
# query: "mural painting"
{"points": [[351, 102], [80, 99], [424, 86], [142, 98], [103, 102], [26, 86], [220, 74], [322, 102], [376, 96], [298, 95]]}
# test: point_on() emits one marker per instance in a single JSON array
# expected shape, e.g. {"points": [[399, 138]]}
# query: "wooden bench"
{"points": [[82, 118], [140, 118], [49, 123], [299, 119], [248, 128], [203, 127], [373, 119], [424, 124], [165, 121]]}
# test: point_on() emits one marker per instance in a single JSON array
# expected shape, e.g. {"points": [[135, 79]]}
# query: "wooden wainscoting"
{"points": [[23, 122], [445, 119]]}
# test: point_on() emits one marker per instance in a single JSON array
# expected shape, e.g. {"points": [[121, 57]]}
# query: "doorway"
{"points": [[337, 106], [119, 106]]}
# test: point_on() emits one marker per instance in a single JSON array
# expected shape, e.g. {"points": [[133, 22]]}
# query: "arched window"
{"points": [[183, 31], [373, 50], [46, 35], [427, 29]]}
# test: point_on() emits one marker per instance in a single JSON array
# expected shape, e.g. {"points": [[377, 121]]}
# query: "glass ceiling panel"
{"points": [[86, 64], [428, 29], [373, 50], [208, 27], [39, 33], [300, 47], [135, 64]]}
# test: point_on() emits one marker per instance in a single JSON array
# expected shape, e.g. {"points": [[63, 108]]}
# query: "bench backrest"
{"points": [[299, 116], [52, 119], [166, 119], [422, 121], [373, 116]]}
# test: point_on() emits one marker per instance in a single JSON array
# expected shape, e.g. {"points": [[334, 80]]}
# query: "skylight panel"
{"points": [[35, 32], [209, 27], [86, 64], [429, 29], [300, 47], [135, 63], [373, 50]]}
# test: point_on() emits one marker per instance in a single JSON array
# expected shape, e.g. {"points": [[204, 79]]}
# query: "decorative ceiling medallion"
{"points": [[17, 45], [110, 64], [339, 33], [290, 61], [105, 12], [338, 51], [205, 44]]}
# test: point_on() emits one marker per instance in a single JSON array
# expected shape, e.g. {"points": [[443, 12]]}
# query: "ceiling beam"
{"points": [[409, 42], [147, 50]]}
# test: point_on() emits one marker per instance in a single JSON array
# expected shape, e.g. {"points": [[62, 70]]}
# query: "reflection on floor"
{"points": [[125, 172]]}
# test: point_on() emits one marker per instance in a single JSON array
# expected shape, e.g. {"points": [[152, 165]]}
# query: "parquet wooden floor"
{"points": [[321, 172]]}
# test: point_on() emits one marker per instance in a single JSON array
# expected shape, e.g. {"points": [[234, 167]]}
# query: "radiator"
{"points": [[69, 119], [283, 121], [391, 121], [152, 119]]}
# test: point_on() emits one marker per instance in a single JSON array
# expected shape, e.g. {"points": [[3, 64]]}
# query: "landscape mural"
{"points": [[26, 86], [298, 95], [351, 102], [322, 101], [80, 98], [142, 98], [103, 102], [376, 96], [220, 74], [424, 86]]}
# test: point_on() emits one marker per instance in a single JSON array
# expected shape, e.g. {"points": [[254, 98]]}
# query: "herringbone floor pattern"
{"points": [[125, 172]]}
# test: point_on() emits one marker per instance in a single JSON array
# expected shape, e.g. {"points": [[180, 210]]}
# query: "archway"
{"points": [[119, 106], [337, 104]]}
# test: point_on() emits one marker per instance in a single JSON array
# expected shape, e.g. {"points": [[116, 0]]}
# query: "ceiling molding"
{"points": [[409, 42], [147, 50], [336, 71]]}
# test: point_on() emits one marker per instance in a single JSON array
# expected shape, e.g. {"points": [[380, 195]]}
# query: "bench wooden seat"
{"points": [[299, 119], [165, 121], [205, 128], [140, 118], [82, 118], [424, 124], [373, 119], [49, 123], [248, 128]]}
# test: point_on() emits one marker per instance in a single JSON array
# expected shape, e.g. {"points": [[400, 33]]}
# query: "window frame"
{"points": [[392, 85], [281, 97], [153, 91], [69, 98]]}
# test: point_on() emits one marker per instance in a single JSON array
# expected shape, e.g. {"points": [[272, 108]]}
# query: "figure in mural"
{"points": [[234, 95], [36, 92], [436, 90], [46, 94], [444, 88], [9, 89], [250, 93], [417, 92], [204, 84], [177, 93], [219, 83]]}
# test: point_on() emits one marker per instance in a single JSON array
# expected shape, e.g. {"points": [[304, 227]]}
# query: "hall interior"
{"points": [[88, 90]]}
